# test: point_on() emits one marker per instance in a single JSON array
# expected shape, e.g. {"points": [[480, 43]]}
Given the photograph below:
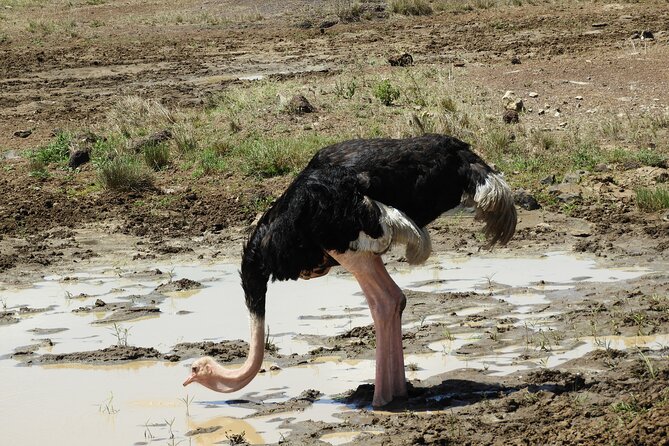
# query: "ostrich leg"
{"points": [[386, 303]]}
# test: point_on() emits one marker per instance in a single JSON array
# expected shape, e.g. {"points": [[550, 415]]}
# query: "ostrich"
{"points": [[352, 202]]}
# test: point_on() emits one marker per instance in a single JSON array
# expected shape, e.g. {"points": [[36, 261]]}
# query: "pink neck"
{"points": [[226, 380]]}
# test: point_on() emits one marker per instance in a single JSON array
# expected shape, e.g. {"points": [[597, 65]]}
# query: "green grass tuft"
{"points": [[157, 156], [124, 173], [652, 199], [410, 7], [385, 92]]}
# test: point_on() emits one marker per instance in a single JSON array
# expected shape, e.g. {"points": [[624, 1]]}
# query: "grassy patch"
{"points": [[652, 199], [385, 92], [410, 7], [124, 173], [57, 151], [157, 156], [269, 157]]}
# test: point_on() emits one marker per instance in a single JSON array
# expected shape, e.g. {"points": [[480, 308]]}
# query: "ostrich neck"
{"points": [[226, 380]]}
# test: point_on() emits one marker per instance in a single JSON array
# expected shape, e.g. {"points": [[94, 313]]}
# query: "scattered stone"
{"points": [[458, 64], [305, 24], [550, 179], [78, 157], [647, 35], [510, 117], [299, 105], [526, 201], [533, 94], [23, 133], [557, 114], [578, 98], [572, 178], [402, 60], [81, 146], [508, 95], [515, 60], [563, 124], [541, 111], [599, 25], [516, 105], [327, 24]]}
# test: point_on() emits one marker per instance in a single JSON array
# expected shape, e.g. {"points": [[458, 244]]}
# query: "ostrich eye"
{"points": [[193, 369]]}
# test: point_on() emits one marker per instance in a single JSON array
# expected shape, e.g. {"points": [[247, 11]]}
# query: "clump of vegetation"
{"points": [[269, 157], [57, 151], [236, 439], [410, 7], [124, 173], [211, 161], [348, 11], [157, 156], [652, 199], [385, 92]]}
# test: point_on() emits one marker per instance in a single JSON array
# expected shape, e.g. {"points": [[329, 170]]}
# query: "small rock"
{"points": [[305, 24], [100, 303], [572, 178], [550, 179], [516, 105], [541, 111], [533, 94], [299, 105], [510, 117], [526, 201], [563, 124], [647, 35], [515, 60], [599, 25], [508, 95], [578, 98], [635, 35], [23, 133], [401, 60], [557, 114], [601, 167], [78, 157]]}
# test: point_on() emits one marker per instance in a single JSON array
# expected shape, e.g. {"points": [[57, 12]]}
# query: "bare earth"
{"points": [[49, 226]]}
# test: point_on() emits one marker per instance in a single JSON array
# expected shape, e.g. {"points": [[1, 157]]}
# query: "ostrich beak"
{"points": [[190, 379]]}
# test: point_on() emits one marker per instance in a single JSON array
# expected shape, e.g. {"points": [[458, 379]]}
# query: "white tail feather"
{"points": [[495, 206]]}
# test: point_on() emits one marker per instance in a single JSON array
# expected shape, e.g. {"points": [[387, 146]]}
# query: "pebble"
{"points": [[533, 94], [579, 98]]}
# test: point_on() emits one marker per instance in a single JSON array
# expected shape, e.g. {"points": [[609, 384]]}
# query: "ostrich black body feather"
{"points": [[325, 207]]}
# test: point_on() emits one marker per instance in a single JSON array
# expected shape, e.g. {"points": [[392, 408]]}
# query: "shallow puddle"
{"points": [[143, 401]]}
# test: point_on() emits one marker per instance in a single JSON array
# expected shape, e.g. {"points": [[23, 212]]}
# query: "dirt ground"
{"points": [[59, 80]]}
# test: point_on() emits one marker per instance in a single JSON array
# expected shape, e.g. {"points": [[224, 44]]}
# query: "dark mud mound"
{"points": [[114, 354], [224, 351], [121, 312], [179, 285]]}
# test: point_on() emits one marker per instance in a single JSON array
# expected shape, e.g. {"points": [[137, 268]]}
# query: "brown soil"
{"points": [[54, 81]]}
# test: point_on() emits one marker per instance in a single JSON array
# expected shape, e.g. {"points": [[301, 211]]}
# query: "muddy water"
{"points": [[143, 401]]}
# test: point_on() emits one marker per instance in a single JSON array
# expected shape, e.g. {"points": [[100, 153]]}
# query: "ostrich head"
{"points": [[202, 371]]}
